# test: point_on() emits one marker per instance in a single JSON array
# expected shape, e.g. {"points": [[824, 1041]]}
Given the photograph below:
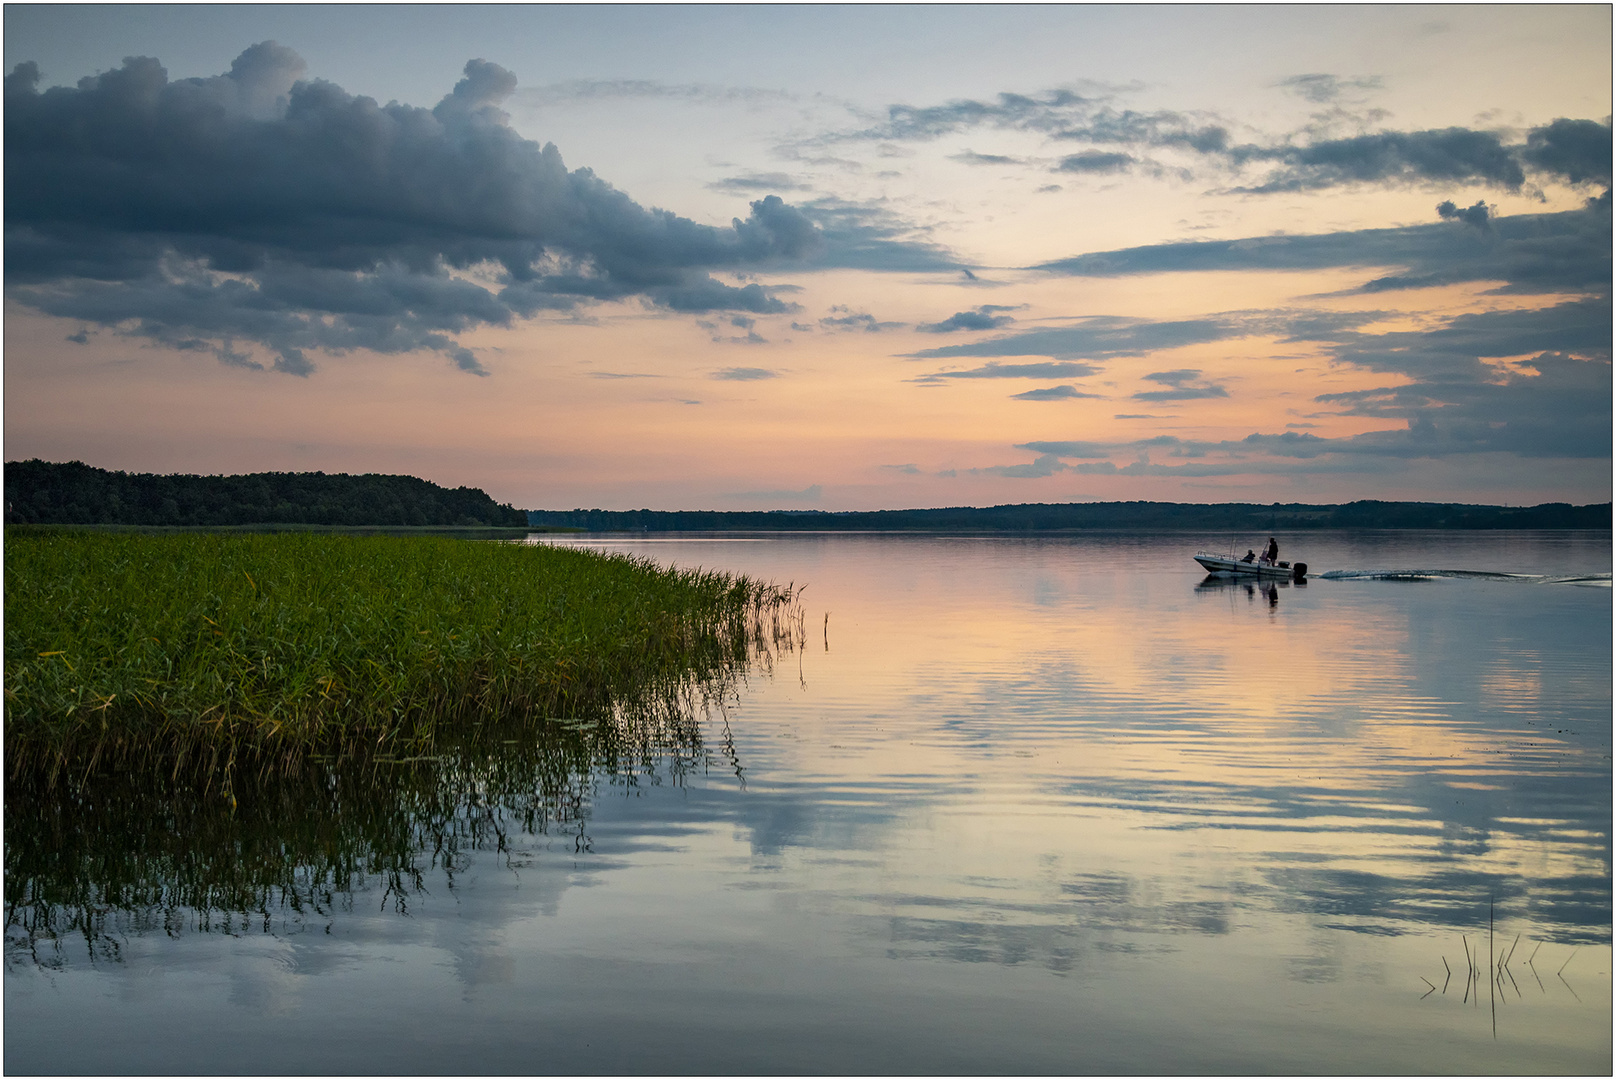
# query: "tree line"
{"points": [[73, 493], [1057, 517]]}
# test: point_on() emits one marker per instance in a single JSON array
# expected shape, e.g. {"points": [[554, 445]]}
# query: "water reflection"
{"points": [[93, 859]]}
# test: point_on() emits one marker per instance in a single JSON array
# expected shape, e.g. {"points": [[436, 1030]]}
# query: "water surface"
{"points": [[1016, 805]]}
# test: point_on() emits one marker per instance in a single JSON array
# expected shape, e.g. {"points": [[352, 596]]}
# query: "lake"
{"points": [[1050, 805]]}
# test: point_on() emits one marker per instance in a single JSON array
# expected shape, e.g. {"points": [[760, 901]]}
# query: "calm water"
{"points": [[1016, 806]]}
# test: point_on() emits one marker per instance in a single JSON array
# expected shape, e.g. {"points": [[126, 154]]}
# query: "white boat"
{"points": [[1229, 566]]}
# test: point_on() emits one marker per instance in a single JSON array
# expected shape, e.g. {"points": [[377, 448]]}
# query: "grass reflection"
{"points": [[97, 857]]}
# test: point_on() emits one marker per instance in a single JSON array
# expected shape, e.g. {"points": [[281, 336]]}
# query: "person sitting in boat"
{"points": [[1250, 555]]}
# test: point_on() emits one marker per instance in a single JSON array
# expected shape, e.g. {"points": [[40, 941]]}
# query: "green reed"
{"points": [[205, 648]]}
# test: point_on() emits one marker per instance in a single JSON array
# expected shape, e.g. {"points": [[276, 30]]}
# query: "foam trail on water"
{"points": [[1594, 580]]}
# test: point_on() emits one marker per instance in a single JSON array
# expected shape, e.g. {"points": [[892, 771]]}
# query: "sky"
{"points": [[801, 257]]}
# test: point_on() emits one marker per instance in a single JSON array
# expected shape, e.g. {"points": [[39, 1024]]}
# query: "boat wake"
{"points": [[1590, 580]]}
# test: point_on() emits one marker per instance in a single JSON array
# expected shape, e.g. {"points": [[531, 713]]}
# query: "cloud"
{"points": [[1449, 155], [1052, 393], [1456, 350], [1578, 150], [1097, 337], [1014, 111], [1162, 129], [971, 157], [1323, 89], [1478, 215], [770, 182], [261, 207], [980, 318], [848, 319], [995, 370], [1184, 384], [1530, 253], [622, 375], [1094, 161], [1573, 151], [745, 374], [1554, 405], [1047, 465]]}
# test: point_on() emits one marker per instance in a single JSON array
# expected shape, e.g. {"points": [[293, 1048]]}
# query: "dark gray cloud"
{"points": [[843, 318], [1183, 384], [971, 157], [1578, 150], [1094, 161], [1554, 405], [745, 374], [1162, 129], [985, 317], [995, 370], [770, 182], [1530, 253], [1047, 465], [1449, 155], [1570, 150], [1093, 338], [1478, 214], [1053, 393], [1325, 89], [262, 207], [1532, 384], [1015, 111], [1458, 350]]}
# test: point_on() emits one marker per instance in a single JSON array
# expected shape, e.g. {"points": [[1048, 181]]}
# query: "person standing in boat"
{"points": [[1271, 553]]}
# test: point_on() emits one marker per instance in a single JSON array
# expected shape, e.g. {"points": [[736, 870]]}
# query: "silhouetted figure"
{"points": [[1272, 554], [1250, 555]]}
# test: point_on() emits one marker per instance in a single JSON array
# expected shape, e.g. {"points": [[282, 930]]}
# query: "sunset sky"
{"points": [[818, 257]]}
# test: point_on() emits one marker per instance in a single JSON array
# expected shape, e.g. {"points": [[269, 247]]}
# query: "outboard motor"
{"points": [[1299, 572]]}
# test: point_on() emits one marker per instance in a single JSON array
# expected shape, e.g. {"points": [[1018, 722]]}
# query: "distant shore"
{"points": [[1100, 516], [42, 493]]}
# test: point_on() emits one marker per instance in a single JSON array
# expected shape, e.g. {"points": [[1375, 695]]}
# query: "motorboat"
{"points": [[1229, 566]]}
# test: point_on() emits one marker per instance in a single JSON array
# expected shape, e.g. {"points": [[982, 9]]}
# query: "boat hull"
{"points": [[1225, 566]]}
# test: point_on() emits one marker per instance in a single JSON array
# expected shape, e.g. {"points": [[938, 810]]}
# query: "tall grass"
{"points": [[208, 650]]}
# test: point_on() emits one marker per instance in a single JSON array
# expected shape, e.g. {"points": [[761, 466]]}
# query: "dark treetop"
{"points": [[1048, 517], [42, 492]]}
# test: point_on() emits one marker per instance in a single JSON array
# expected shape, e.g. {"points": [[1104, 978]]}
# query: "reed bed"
{"points": [[208, 651]]}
